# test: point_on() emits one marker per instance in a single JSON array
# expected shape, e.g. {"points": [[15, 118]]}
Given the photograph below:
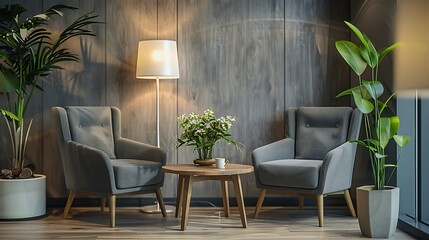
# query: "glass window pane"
{"points": [[424, 160], [406, 173]]}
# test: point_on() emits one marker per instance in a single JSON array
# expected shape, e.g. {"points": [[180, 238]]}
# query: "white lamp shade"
{"points": [[157, 59], [411, 69]]}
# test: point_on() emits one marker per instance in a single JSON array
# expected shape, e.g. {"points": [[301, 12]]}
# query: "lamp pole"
{"points": [[157, 113]]}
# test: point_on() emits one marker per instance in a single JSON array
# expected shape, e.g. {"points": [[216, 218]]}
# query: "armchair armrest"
{"points": [[337, 169], [87, 168], [126, 148], [281, 149]]}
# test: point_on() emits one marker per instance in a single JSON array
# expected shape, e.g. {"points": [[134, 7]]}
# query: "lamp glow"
{"points": [[157, 59]]}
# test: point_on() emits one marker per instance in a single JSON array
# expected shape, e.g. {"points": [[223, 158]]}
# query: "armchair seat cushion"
{"points": [[291, 173], [131, 173]]}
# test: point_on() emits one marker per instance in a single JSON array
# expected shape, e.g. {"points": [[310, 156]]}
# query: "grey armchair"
{"points": [[98, 161], [315, 159]]}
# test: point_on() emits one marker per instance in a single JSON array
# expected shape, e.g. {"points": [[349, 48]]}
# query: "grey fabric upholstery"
{"points": [[291, 172], [321, 128], [97, 159], [130, 173], [316, 156], [92, 127]]}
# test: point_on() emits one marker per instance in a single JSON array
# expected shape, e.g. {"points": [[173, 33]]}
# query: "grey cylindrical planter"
{"points": [[23, 198], [377, 211]]}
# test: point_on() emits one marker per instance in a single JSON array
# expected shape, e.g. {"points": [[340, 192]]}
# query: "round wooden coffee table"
{"points": [[189, 173]]}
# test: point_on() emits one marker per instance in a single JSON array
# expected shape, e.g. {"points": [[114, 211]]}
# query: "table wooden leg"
{"points": [[179, 196], [186, 200], [239, 195], [224, 186]]}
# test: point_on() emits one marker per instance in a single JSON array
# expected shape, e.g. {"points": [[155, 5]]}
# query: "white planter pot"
{"points": [[377, 211], [23, 198]]}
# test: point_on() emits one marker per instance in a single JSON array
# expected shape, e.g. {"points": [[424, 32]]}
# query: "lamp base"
{"points": [[155, 209]]}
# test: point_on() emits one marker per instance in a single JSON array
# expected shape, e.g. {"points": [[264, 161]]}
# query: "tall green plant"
{"points": [[27, 53], [379, 128]]}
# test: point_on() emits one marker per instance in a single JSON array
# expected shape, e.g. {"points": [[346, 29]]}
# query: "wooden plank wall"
{"points": [[248, 58]]}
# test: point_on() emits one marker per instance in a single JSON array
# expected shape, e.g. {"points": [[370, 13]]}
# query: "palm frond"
{"points": [[27, 52]]}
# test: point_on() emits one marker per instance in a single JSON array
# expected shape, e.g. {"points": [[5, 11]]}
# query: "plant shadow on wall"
{"points": [[80, 80], [378, 204], [28, 53]]}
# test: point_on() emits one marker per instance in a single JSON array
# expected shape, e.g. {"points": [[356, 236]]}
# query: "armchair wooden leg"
{"points": [[112, 209], [301, 202], [261, 198], [70, 199], [319, 200], [349, 203], [103, 201], [160, 202]]}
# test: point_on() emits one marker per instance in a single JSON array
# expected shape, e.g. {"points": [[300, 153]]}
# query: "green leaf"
{"points": [[359, 142], [364, 93], [364, 143], [373, 54], [368, 51], [380, 156], [9, 114], [388, 126], [391, 165], [9, 82], [394, 125], [351, 54], [363, 105], [346, 92], [358, 33], [387, 50], [401, 140], [383, 133], [372, 141], [375, 88], [365, 54], [383, 105]]}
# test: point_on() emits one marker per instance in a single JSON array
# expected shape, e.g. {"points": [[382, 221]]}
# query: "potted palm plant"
{"points": [[28, 52], [378, 204], [202, 132]]}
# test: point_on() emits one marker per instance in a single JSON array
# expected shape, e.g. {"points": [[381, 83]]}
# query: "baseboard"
{"points": [[415, 230], [195, 202]]}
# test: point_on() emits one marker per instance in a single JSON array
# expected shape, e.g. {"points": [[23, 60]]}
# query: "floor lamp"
{"points": [[157, 59]]}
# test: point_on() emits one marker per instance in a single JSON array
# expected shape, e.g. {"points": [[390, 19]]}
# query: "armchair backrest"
{"points": [[318, 130], [96, 127]]}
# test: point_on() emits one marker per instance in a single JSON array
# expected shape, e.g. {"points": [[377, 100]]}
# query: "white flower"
{"points": [[25, 32], [42, 16]]}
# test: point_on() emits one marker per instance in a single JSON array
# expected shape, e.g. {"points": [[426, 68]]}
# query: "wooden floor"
{"points": [[204, 223]]}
